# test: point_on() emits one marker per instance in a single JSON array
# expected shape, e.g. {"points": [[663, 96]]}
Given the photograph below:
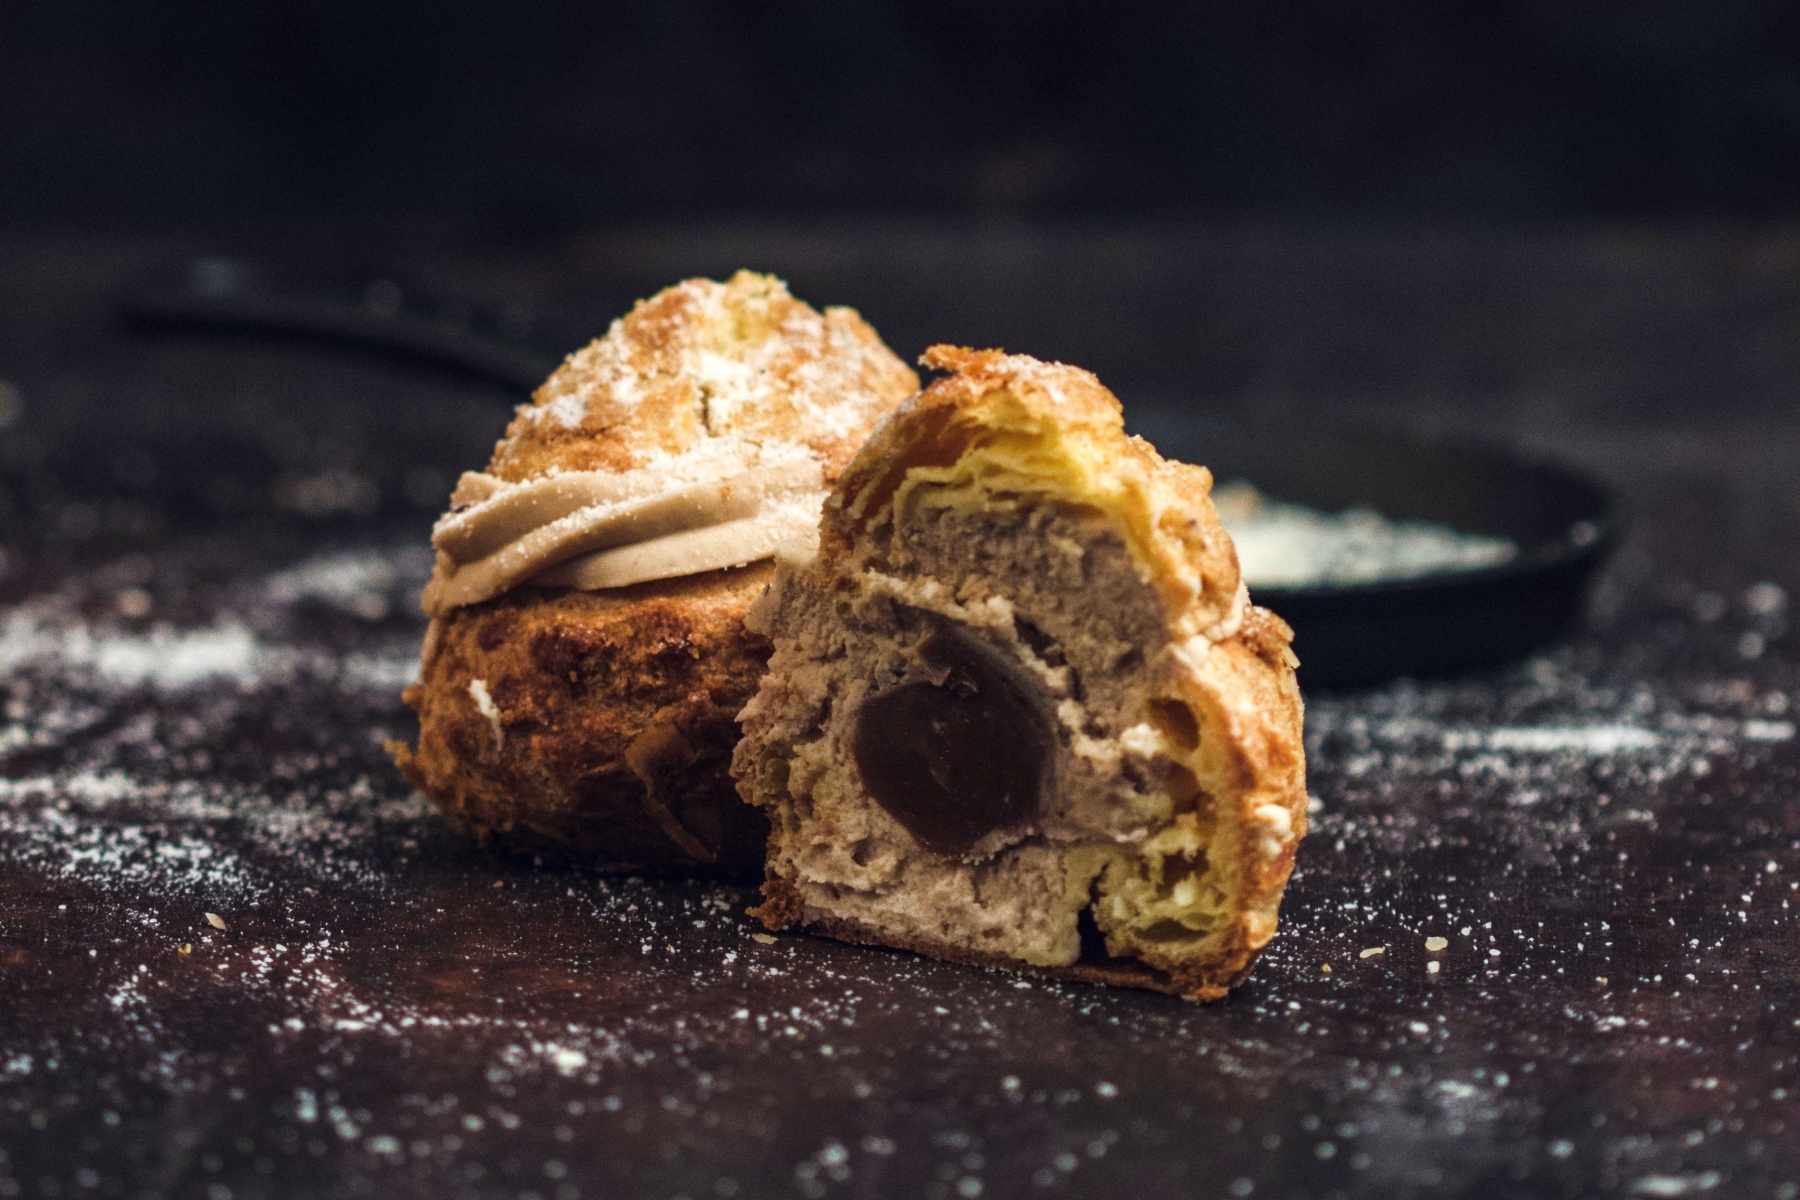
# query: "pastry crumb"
{"points": [[766, 939], [186, 948], [484, 704], [1431, 968], [1324, 968], [215, 920], [1434, 944], [1371, 952]]}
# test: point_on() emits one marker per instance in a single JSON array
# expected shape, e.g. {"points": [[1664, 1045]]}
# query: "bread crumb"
{"points": [[1371, 952], [1324, 968], [499, 883], [215, 920], [1431, 968], [1434, 944], [1600, 979], [187, 948], [765, 938]]}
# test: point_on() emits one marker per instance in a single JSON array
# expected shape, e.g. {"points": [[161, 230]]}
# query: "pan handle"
{"points": [[223, 293]]}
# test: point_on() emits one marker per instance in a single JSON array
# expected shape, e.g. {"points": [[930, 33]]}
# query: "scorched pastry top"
{"points": [[700, 432]]}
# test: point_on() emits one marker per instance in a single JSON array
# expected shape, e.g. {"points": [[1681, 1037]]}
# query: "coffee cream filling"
{"points": [[724, 505]]}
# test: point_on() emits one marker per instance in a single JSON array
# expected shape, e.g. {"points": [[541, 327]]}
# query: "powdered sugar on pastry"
{"points": [[593, 578], [705, 360], [698, 434]]}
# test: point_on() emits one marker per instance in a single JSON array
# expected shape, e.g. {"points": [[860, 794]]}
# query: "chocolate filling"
{"points": [[956, 756]]}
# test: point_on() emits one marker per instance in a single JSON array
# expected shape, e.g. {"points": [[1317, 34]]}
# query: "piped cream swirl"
{"points": [[722, 505]]}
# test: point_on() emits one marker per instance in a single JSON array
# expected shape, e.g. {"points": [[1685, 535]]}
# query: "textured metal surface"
{"points": [[210, 547]]}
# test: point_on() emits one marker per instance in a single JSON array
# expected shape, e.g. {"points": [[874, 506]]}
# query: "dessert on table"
{"points": [[1020, 710], [587, 656]]}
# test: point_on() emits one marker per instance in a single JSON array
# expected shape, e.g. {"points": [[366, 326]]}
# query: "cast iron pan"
{"points": [[1347, 635]]}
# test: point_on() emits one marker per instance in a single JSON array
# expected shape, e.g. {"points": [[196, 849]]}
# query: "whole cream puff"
{"points": [[587, 655]]}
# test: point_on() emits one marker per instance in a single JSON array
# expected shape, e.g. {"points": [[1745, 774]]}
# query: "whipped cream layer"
{"points": [[724, 504]]}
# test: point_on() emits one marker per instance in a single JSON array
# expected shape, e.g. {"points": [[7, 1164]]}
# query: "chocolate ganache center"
{"points": [[958, 755]]}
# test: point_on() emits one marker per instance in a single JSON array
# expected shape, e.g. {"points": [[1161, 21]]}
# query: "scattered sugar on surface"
{"points": [[1593, 739], [360, 583], [161, 658], [52, 636], [619, 1009]]}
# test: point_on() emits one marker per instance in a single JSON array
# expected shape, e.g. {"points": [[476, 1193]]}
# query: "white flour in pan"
{"points": [[1280, 544]]}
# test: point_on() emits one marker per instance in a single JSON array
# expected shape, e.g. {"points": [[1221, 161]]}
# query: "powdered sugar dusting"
{"points": [[1281, 544], [360, 583], [604, 367], [570, 408], [1551, 837], [170, 659], [744, 358], [161, 658], [1598, 740]]}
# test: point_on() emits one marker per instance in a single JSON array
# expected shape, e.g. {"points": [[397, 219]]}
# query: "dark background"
{"points": [[1565, 230], [536, 113]]}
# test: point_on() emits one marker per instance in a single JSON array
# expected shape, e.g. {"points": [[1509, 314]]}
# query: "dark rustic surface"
{"points": [[210, 547]]}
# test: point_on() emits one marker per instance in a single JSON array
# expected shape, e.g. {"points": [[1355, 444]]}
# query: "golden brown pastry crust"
{"points": [[1192, 561], [824, 380], [1062, 435], [603, 723], [577, 679]]}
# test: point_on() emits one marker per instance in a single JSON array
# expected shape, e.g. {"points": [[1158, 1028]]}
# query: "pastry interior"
{"points": [[1020, 711]]}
